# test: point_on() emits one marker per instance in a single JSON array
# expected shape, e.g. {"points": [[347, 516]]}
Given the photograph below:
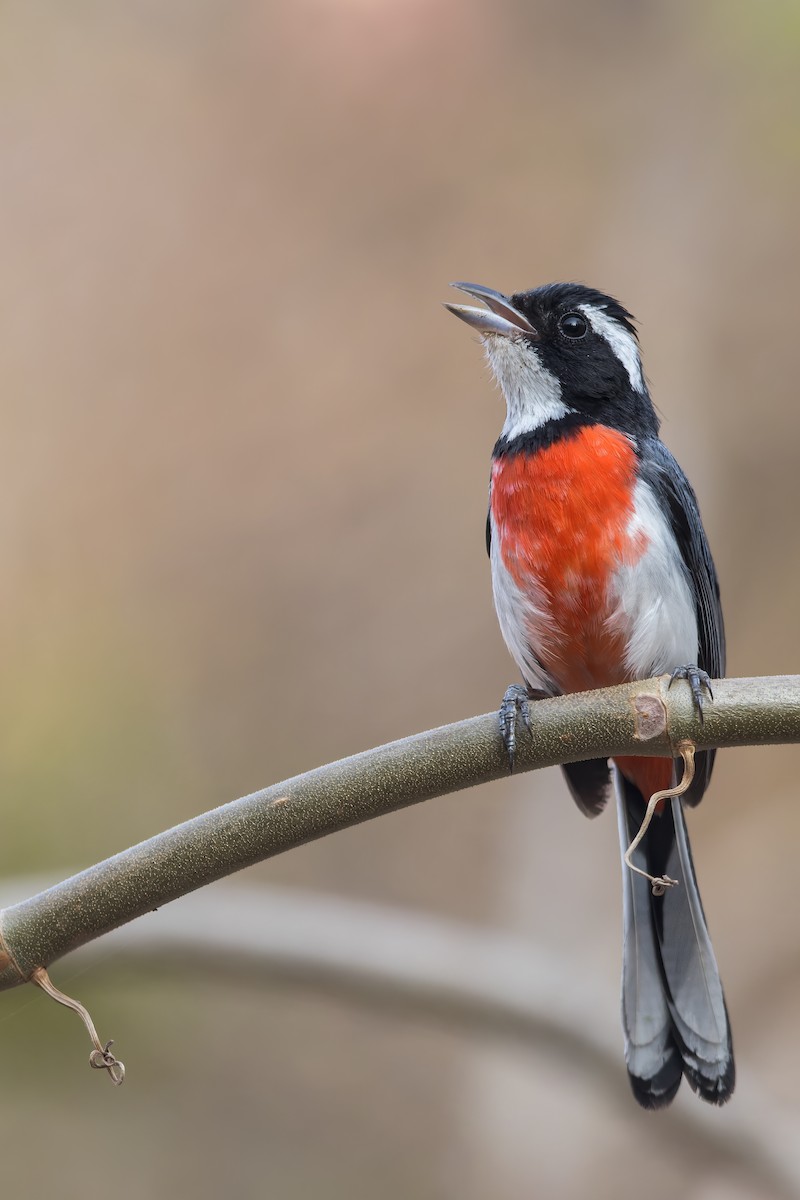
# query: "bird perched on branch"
{"points": [[601, 573]]}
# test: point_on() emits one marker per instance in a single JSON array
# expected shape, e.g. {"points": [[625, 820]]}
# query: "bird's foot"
{"points": [[516, 705], [698, 679]]}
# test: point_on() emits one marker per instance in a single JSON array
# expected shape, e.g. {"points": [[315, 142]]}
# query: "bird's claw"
{"points": [[516, 704], [698, 679]]}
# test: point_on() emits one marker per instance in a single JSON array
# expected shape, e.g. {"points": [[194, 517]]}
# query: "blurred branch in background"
{"points": [[484, 981], [643, 717]]}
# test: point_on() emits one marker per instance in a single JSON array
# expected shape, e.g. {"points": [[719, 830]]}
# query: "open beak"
{"points": [[499, 316]]}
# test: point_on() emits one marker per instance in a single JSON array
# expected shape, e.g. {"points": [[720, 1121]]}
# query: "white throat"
{"points": [[532, 393]]}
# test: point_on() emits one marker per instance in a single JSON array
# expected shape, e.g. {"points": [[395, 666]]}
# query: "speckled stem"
{"points": [[637, 718]]}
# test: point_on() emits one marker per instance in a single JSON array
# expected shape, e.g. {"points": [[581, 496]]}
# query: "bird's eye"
{"points": [[573, 325]]}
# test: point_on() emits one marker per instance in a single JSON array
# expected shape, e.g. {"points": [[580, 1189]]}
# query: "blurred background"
{"points": [[243, 462]]}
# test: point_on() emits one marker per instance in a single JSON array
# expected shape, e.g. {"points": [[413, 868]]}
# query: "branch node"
{"points": [[660, 883], [649, 716], [101, 1057]]}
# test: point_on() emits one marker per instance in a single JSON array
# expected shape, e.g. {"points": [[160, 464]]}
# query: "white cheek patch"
{"points": [[622, 343], [532, 393]]}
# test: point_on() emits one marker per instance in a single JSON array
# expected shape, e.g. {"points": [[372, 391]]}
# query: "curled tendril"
{"points": [[660, 883], [103, 1060], [101, 1057]]}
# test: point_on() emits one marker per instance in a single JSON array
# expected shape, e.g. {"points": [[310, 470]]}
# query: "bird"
{"points": [[602, 573]]}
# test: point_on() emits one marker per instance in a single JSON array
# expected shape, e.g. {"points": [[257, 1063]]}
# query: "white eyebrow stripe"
{"points": [[622, 343]]}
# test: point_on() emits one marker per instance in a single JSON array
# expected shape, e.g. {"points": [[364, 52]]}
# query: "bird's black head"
{"points": [[562, 350]]}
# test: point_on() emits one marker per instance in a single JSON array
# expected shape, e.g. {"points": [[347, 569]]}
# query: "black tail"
{"points": [[673, 1010]]}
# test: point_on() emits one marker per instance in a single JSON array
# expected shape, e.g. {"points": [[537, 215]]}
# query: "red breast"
{"points": [[562, 515]]}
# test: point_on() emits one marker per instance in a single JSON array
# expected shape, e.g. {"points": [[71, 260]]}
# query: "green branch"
{"points": [[636, 718]]}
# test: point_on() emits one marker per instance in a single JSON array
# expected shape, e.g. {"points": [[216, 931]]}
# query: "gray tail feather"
{"points": [[673, 1009]]}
